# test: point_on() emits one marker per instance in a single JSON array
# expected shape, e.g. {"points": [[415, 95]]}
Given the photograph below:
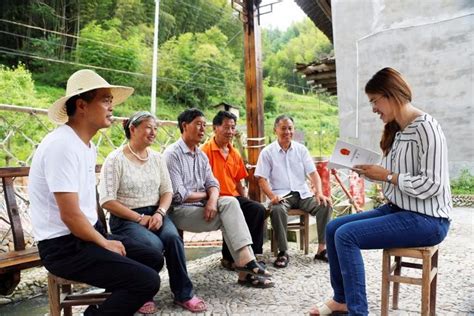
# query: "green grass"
{"points": [[312, 114]]}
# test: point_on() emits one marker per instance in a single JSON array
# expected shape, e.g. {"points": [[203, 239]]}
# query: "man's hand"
{"points": [[115, 246], [210, 210], [155, 222], [276, 199], [322, 199]]}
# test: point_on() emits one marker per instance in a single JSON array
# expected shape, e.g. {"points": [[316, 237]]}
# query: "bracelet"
{"points": [[139, 219], [161, 211]]}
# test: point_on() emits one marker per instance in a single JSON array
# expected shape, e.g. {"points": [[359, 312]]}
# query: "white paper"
{"points": [[346, 156]]}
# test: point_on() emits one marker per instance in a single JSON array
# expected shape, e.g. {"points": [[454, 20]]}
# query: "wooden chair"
{"points": [[302, 226], [61, 293], [429, 267]]}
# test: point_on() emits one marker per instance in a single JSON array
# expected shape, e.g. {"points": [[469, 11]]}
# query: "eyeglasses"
{"points": [[374, 101]]}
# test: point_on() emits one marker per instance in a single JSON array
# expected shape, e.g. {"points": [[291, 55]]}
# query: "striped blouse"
{"points": [[419, 155]]}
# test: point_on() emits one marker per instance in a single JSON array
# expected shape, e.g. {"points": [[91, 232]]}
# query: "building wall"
{"points": [[431, 43]]}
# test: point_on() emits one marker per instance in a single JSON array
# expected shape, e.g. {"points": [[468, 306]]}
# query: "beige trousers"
{"points": [[229, 219]]}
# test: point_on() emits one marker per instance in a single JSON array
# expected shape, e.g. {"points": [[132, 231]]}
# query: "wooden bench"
{"points": [[12, 262]]}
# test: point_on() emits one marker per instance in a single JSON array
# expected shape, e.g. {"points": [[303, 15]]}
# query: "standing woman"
{"points": [[135, 187], [415, 178]]}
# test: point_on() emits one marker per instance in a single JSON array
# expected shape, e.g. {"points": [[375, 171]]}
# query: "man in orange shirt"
{"points": [[228, 168]]}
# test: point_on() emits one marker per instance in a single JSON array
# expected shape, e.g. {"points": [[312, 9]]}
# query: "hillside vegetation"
{"points": [[200, 60]]}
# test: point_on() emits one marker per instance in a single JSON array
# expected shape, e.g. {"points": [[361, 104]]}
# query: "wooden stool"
{"points": [[429, 267], [61, 296], [302, 226]]}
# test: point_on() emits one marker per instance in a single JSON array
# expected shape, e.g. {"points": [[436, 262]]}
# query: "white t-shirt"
{"points": [[62, 163]]}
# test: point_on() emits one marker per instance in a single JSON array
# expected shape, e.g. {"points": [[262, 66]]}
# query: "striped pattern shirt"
{"points": [[419, 155], [189, 172]]}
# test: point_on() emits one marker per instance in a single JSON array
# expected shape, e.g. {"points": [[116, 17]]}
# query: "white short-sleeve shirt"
{"points": [[62, 163], [286, 171]]}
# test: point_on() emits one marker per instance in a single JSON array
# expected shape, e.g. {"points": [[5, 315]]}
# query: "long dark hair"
{"points": [[390, 84]]}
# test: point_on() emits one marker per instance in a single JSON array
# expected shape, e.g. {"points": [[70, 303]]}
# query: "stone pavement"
{"points": [[206, 239], [305, 283]]}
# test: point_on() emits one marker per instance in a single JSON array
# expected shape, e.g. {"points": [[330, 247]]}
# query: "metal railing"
{"points": [[22, 129]]}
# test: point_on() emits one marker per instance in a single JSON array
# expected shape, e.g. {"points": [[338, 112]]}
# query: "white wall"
{"points": [[431, 43]]}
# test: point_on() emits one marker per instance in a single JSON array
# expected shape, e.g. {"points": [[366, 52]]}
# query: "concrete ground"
{"points": [[305, 283]]}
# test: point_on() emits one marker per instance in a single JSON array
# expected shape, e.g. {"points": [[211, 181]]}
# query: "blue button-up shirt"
{"points": [[286, 171], [189, 172]]}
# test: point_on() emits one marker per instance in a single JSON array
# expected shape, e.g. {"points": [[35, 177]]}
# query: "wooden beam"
{"points": [[321, 81], [325, 6], [329, 85], [321, 75], [253, 91]]}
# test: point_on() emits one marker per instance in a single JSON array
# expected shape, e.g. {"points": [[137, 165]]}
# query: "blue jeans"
{"points": [[166, 240], [385, 227]]}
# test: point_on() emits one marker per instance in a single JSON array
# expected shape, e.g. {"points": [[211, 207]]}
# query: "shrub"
{"points": [[16, 85], [464, 184]]}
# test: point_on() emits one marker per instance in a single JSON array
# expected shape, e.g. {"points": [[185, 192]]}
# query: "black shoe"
{"points": [[323, 256]]}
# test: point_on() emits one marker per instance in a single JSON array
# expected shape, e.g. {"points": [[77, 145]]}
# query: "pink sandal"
{"points": [[195, 305], [148, 308]]}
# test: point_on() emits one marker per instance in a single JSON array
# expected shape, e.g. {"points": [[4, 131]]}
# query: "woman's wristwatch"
{"points": [[389, 177], [161, 211]]}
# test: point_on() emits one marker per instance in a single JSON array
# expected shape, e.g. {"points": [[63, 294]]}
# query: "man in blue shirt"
{"points": [[197, 206]]}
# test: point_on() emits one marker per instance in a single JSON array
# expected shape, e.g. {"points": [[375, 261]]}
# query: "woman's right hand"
{"points": [[155, 222], [145, 220]]}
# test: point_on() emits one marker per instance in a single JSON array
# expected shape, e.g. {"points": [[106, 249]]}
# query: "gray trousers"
{"points": [[229, 220], [279, 217]]}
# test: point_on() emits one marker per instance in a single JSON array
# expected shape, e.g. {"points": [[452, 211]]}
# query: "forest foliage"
{"points": [[200, 58]]}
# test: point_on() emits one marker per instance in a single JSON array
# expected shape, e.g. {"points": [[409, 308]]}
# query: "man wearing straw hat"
{"points": [[71, 241]]}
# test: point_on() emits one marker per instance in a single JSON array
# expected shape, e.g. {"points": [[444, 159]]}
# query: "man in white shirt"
{"points": [[71, 241], [282, 168]]}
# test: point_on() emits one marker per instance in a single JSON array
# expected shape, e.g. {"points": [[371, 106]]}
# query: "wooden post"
{"points": [[253, 91]]}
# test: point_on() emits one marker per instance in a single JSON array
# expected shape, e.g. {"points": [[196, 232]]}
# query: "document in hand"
{"points": [[346, 155]]}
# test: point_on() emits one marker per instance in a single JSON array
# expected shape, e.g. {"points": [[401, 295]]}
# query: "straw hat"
{"points": [[82, 81]]}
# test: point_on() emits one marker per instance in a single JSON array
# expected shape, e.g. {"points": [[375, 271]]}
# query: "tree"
{"points": [[198, 70], [302, 42], [104, 46]]}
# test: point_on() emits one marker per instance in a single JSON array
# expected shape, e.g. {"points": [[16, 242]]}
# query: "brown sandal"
{"points": [[282, 261]]}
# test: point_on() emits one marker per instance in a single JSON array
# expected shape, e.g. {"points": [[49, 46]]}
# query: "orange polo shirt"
{"points": [[227, 171]]}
